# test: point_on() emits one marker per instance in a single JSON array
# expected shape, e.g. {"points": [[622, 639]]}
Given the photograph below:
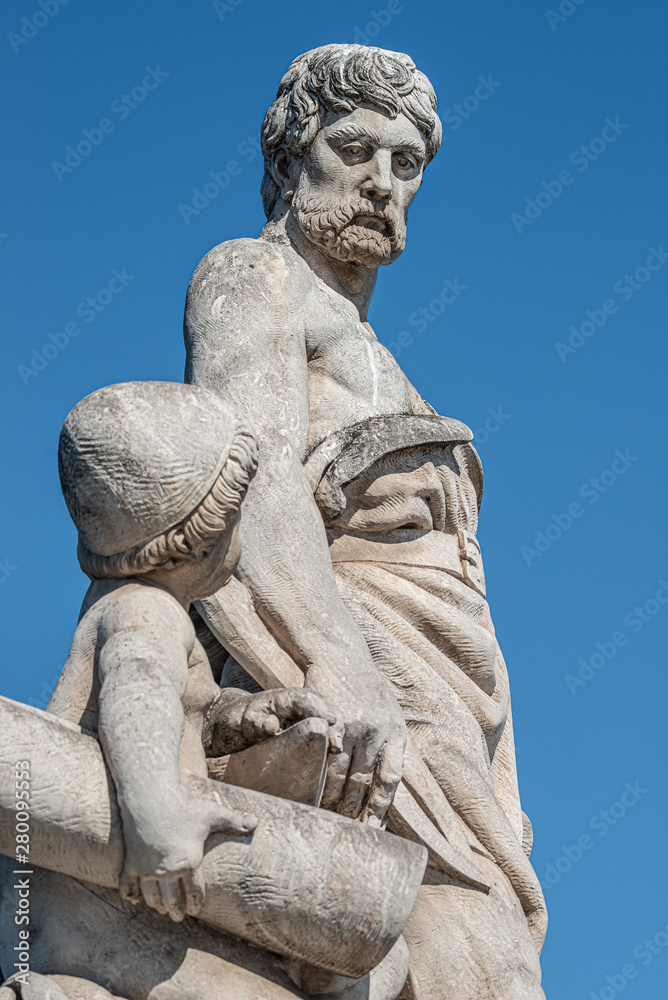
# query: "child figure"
{"points": [[154, 474]]}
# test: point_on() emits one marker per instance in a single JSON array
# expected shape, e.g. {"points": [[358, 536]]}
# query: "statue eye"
{"points": [[404, 162], [353, 149]]}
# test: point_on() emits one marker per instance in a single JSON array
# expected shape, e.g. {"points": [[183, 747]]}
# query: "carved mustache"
{"points": [[323, 217]]}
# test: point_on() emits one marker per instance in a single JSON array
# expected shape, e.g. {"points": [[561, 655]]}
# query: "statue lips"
{"points": [[381, 223], [377, 222]]}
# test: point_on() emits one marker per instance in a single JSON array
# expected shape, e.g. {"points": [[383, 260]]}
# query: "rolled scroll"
{"points": [[307, 883]]}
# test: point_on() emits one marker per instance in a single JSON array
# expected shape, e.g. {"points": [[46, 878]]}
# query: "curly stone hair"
{"points": [[339, 78], [194, 538]]}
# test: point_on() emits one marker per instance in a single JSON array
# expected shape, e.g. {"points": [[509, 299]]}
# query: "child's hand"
{"points": [[163, 859], [239, 720], [270, 711]]}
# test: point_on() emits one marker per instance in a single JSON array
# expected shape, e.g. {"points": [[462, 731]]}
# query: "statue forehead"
{"points": [[367, 121]]}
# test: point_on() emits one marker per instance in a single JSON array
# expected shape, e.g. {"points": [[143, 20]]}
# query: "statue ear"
{"points": [[285, 170]]}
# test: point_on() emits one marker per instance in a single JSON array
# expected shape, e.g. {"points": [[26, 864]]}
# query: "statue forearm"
{"points": [[246, 339], [285, 563], [141, 725]]}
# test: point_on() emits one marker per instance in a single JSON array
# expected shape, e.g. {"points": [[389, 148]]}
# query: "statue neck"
{"points": [[354, 281]]}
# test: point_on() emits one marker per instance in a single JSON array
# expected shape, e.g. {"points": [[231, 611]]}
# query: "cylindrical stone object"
{"points": [[307, 883]]}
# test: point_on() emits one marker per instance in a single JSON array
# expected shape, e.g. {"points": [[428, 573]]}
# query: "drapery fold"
{"points": [[432, 639]]}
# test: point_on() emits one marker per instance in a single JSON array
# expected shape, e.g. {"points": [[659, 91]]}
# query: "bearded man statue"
{"points": [[361, 571]]}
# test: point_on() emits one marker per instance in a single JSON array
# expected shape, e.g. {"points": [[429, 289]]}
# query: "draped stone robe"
{"points": [[401, 524], [400, 497]]}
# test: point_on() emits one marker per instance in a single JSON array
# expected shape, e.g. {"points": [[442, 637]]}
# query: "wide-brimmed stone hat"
{"points": [[136, 458]]}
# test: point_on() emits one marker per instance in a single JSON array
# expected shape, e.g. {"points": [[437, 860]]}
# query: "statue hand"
{"points": [[362, 780], [269, 711], [239, 720], [163, 864]]}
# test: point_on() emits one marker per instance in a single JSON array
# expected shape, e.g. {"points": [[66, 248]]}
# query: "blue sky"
{"points": [[545, 210]]}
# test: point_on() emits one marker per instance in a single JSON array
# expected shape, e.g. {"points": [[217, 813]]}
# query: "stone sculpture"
{"points": [[360, 552], [154, 475], [211, 793]]}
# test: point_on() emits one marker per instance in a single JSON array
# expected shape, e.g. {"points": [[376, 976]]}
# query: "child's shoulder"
{"points": [[130, 605]]}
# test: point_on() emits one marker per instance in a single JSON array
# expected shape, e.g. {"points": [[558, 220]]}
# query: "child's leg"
{"points": [[383, 983], [55, 988], [84, 933]]}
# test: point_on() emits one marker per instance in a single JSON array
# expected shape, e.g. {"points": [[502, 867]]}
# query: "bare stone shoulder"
{"points": [[253, 273], [248, 308], [141, 607]]}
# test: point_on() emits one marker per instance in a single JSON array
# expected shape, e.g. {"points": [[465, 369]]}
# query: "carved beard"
{"points": [[331, 226]]}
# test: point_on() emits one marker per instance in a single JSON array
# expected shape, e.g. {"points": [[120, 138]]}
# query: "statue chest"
{"points": [[351, 377]]}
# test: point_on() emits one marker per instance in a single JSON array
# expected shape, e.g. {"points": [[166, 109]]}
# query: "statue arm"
{"points": [[244, 339], [143, 669]]}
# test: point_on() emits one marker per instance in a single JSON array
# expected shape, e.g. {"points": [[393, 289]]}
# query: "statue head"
{"points": [[153, 474], [345, 145]]}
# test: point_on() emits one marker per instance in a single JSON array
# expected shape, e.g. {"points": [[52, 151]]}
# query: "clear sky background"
{"points": [[530, 253]]}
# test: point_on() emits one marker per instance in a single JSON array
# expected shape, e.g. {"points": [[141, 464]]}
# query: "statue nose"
{"points": [[376, 191], [378, 187]]}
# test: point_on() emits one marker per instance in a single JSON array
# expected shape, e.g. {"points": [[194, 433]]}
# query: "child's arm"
{"points": [[143, 667]]}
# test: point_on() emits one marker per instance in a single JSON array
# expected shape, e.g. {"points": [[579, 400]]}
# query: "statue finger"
{"points": [[295, 704], [313, 706], [271, 725], [298, 703], [356, 793], [337, 730], [130, 887], [335, 782], [387, 777], [222, 819], [195, 891], [150, 890], [173, 897], [259, 724], [359, 782]]}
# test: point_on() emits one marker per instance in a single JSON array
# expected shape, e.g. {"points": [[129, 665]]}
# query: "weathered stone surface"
{"points": [[360, 550], [291, 765], [231, 614], [305, 883], [148, 482], [125, 807]]}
